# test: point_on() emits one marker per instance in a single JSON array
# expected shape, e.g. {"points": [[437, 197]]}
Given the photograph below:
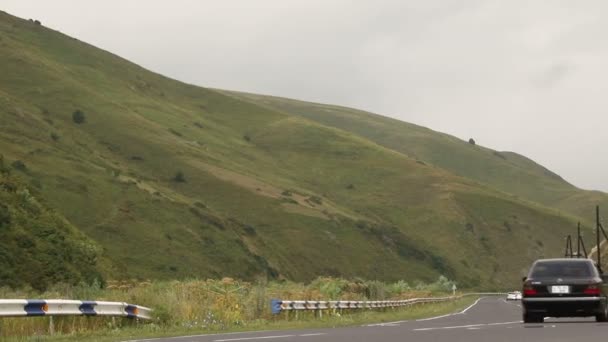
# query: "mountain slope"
{"points": [[38, 247], [505, 171], [180, 181]]}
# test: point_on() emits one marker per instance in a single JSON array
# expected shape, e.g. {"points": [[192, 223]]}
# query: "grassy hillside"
{"points": [[38, 247], [505, 171], [177, 181]]}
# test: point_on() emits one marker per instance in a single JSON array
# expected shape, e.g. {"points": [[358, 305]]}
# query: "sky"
{"points": [[526, 76]]}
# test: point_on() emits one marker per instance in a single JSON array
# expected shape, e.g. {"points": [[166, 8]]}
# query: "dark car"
{"points": [[564, 288]]}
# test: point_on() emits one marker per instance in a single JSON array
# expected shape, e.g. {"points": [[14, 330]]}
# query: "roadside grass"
{"points": [[124, 329], [208, 306]]}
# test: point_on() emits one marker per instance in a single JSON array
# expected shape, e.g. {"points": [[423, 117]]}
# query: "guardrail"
{"points": [[277, 305], [62, 307]]}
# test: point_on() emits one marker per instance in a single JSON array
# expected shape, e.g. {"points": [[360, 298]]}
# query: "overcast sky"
{"points": [[525, 76]]}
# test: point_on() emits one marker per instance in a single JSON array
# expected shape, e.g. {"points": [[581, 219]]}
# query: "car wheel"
{"points": [[603, 317], [529, 318]]}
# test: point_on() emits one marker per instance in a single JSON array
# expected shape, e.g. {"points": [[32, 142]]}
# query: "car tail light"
{"points": [[592, 290], [530, 291]]}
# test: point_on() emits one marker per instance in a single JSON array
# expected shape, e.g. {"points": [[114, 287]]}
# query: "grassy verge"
{"points": [[281, 322], [213, 306]]}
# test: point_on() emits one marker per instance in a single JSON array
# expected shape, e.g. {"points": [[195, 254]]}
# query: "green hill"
{"points": [[506, 171], [38, 247], [177, 181]]}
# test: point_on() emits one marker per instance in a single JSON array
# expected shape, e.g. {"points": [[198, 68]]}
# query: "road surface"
{"points": [[489, 319]]}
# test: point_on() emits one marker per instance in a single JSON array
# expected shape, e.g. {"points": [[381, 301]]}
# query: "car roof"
{"points": [[564, 260]]}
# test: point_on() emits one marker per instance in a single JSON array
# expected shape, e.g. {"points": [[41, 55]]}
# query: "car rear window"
{"points": [[562, 269]]}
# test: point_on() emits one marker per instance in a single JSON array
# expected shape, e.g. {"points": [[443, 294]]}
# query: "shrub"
{"points": [[174, 132], [315, 199], [78, 117], [290, 200], [19, 165], [472, 141], [5, 215], [179, 177], [442, 284], [249, 230], [54, 136]]}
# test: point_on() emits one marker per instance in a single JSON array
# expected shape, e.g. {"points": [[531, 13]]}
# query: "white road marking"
{"points": [[453, 327], [504, 323], [467, 326], [386, 324], [396, 323], [437, 317], [203, 335], [268, 337], [452, 314], [254, 338], [470, 306]]}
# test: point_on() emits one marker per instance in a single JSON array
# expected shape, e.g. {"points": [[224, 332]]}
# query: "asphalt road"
{"points": [[489, 319]]}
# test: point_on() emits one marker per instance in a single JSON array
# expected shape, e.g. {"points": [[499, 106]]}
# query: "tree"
{"points": [[472, 141], [78, 117]]}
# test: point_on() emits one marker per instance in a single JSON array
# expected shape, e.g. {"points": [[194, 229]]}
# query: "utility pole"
{"points": [[597, 237], [578, 241]]}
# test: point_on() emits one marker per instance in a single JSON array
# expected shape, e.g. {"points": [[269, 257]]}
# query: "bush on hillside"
{"points": [[472, 141], [19, 165], [38, 247], [179, 177], [315, 199], [5, 215], [78, 117], [174, 132]]}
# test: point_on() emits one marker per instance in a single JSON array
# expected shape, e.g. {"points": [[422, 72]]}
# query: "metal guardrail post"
{"points": [[51, 326]]}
